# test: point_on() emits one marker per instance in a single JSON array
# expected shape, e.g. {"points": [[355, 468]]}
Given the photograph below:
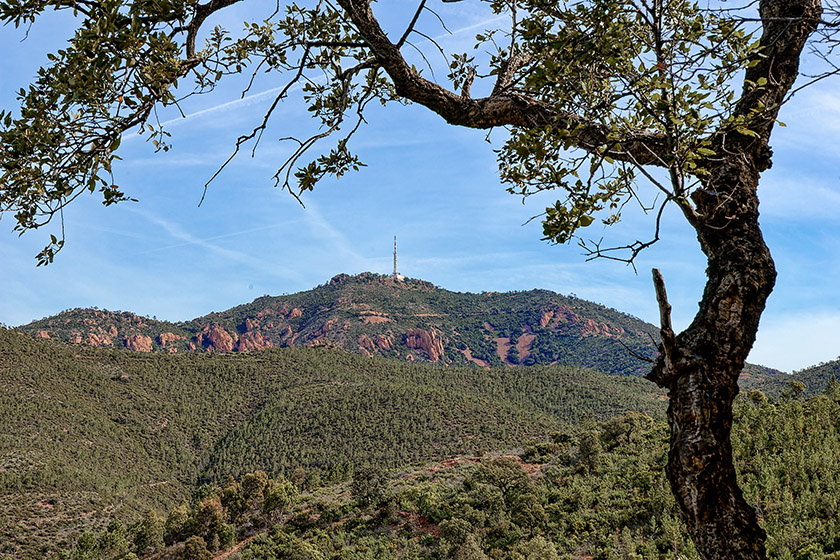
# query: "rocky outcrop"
{"points": [[591, 328], [42, 334], [252, 340], [365, 343], [138, 343], [382, 342], [285, 334], [376, 344], [428, 342], [295, 313], [546, 317], [166, 338], [97, 339], [216, 338], [374, 317]]}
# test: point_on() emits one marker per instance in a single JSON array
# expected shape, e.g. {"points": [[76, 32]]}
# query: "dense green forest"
{"points": [[593, 492], [95, 437], [93, 434]]}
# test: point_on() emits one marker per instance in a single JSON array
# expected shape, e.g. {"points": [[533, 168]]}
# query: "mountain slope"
{"points": [[597, 492], [373, 314], [95, 433]]}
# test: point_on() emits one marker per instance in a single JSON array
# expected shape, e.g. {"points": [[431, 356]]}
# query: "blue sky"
{"points": [[432, 185]]}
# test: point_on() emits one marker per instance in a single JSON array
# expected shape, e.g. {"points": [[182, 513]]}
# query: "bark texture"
{"points": [[700, 366]]}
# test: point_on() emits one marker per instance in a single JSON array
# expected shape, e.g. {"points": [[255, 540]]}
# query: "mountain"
{"points": [[815, 378], [373, 314], [92, 434]]}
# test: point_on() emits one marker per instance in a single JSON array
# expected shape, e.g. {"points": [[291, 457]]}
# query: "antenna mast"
{"points": [[396, 275], [395, 256]]}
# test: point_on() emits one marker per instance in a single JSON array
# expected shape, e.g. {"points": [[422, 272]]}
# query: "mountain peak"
{"points": [[376, 314]]}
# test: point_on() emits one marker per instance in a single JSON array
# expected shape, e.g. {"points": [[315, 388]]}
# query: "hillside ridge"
{"points": [[374, 314]]}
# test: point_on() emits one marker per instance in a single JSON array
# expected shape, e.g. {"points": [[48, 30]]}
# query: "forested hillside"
{"points": [[93, 434], [594, 492], [373, 314]]}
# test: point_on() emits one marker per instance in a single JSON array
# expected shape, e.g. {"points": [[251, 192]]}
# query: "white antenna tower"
{"points": [[396, 276]]}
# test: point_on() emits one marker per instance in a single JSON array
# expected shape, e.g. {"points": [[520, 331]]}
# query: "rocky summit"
{"points": [[373, 314]]}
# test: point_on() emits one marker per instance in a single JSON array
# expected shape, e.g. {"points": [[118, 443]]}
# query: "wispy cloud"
{"points": [[185, 238], [265, 95]]}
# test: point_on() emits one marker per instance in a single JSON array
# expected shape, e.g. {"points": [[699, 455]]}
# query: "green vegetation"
{"points": [[92, 434], [371, 313], [95, 441], [597, 491]]}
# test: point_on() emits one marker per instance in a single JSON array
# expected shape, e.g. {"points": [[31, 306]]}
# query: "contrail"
{"points": [[268, 92]]}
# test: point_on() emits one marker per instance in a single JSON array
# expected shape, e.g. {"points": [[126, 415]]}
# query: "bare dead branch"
{"points": [[666, 330]]}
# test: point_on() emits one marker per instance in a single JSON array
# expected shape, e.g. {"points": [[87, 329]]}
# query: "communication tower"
{"points": [[396, 275]]}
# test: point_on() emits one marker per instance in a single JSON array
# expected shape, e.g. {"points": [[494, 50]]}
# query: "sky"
{"points": [[434, 186]]}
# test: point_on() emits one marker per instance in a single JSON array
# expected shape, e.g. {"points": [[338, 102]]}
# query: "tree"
{"points": [[148, 533], [195, 549], [369, 486], [605, 102]]}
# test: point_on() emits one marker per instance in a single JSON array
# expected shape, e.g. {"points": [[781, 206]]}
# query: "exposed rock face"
{"points": [[295, 313], [218, 338], [429, 342], [76, 337], [373, 317], [43, 334], [591, 328], [251, 324], [382, 341], [167, 337], [523, 345], [545, 318], [285, 334], [138, 343], [467, 352], [365, 343], [94, 339], [377, 343], [252, 340]]}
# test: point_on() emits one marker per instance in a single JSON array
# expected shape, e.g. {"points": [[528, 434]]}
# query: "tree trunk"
{"points": [[700, 367]]}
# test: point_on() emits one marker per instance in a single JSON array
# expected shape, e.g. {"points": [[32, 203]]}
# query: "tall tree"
{"points": [[604, 101]]}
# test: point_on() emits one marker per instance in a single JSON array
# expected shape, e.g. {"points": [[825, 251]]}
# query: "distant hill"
{"points": [[815, 378], [90, 434], [373, 314]]}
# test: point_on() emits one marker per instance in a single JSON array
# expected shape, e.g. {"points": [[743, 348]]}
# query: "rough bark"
{"points": [[700, 367], [700, 370]]}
